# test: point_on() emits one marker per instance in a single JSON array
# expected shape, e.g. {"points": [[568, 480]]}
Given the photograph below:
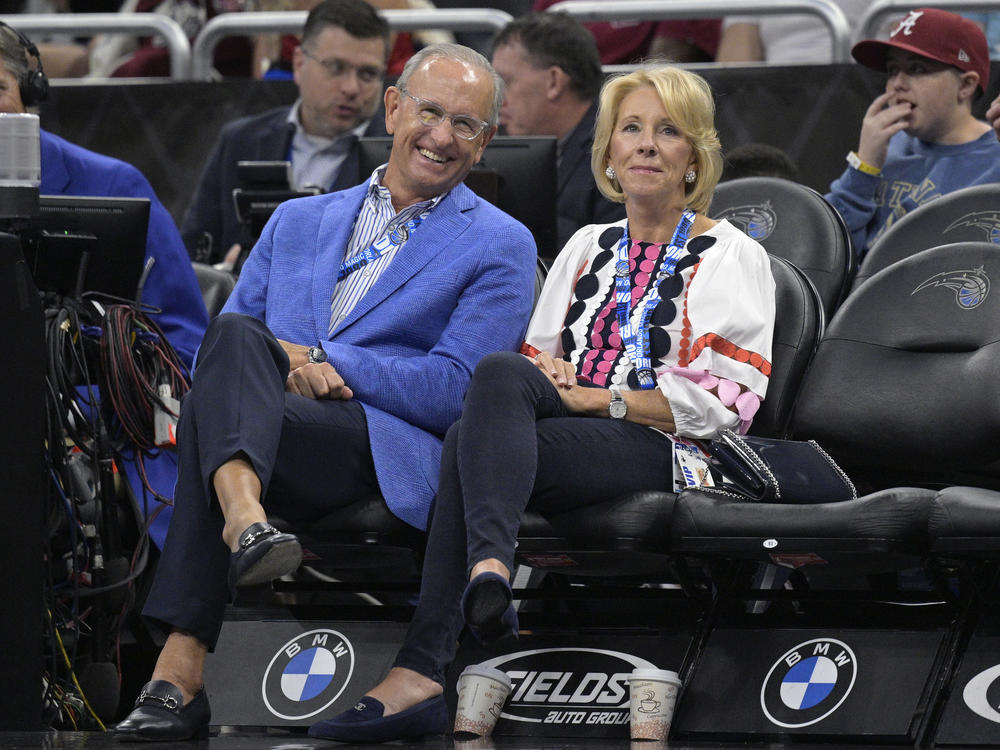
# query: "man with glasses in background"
{"points": [[341, 358], [339, 68]]}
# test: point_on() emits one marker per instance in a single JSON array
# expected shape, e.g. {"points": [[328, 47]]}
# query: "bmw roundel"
{"points": [[307, 674], [982, 694], [808, 683]]}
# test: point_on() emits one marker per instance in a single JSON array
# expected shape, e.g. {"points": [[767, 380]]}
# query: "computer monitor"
{"points": [[517, 174], [80, 244], [261, 186]]}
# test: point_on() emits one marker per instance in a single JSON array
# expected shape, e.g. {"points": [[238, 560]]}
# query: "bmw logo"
{"points": [[808, 683], [307, 674], [982, 694]]}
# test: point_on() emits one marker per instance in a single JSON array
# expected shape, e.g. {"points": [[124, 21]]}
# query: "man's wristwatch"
{"points": [[316, 354], [617, 408]]}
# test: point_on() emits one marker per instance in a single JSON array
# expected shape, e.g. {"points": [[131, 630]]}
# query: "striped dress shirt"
{"points": [[376, 218]]}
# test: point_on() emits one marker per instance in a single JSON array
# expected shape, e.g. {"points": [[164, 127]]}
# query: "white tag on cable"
{"points": [[165, 423]]}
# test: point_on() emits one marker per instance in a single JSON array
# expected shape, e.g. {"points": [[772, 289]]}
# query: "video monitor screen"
{"points": [[517, 174], [81, 244]]}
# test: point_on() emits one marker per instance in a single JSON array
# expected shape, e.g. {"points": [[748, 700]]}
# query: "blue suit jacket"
{"points": [[68, 169], [459, 289]]}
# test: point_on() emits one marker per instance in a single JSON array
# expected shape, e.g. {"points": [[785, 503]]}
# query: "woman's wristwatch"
{"points": [[617, 408]]}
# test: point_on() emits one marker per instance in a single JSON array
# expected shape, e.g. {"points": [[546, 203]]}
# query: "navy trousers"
{"points": [[311, 456], [515, 447]]}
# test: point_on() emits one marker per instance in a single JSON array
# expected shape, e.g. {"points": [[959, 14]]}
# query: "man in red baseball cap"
{"points": [[919, 139]]}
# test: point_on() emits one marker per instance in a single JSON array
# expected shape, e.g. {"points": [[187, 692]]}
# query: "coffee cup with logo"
{"points": [[653, 694], [482, 691]]}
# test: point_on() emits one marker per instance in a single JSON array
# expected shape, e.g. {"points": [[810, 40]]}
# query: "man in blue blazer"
{"points": [[340, 359], [339, 70]]}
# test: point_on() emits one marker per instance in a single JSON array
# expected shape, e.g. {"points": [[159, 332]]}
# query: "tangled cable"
{"points": [[141, 374]]}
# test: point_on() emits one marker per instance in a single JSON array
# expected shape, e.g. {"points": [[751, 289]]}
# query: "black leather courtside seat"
{"points": [[796, 223], [216, 286], [880, 532], [967, 215], [904, 390], [965, 522]]}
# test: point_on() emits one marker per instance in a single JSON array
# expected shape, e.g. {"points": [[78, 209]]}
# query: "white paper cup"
{"points": [[653, 694], [482, 691]]}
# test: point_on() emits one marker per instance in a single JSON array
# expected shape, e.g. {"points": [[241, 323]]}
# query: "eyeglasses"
{"points": [[430, 114], [336, 68]]}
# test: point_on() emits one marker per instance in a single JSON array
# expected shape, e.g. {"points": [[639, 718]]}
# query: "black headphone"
{"points": [[35, 87]]}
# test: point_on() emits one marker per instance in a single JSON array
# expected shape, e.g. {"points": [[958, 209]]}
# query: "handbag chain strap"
{"points": [[836, 468], [751, 457]]}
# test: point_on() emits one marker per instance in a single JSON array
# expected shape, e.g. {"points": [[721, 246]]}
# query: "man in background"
{"points": [[339, 68], [552, 71]]}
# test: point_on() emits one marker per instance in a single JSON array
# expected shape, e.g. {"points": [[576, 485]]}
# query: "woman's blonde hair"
{"points": [[687, 98]]}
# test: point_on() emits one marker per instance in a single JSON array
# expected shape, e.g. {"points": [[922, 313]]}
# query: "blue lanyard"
{"points": [[636, 341], [392, 240]]}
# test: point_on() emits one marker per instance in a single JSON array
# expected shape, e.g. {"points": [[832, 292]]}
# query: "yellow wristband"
{"points": [[862, 166]]}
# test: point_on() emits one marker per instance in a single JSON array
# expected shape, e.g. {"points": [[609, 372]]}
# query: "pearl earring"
{"points": [[690, 176], [610, 172]]}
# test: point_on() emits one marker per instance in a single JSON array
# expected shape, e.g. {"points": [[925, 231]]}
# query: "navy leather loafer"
{"points": [[365, 722], [264, 554], [488, 607], [160, 715]]}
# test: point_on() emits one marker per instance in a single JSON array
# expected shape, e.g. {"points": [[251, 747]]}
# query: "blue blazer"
{"points": [[459, 289]]}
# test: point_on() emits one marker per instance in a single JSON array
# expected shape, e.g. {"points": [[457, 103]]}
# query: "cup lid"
{"points": [[662, 675], [483, 671]]}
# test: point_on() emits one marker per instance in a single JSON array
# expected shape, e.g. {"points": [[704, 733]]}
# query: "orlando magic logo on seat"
{"points": [[971, 285], [757, 220], [988, 221]]}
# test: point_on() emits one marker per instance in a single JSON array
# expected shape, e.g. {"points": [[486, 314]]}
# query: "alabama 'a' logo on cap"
{"points": [[907, 24], [308, 674], [808, 683]]}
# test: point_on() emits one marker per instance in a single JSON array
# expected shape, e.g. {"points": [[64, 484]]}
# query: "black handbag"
{"points": [[778, 471]]}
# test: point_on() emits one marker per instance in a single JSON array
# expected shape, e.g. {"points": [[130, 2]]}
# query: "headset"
{"points": [[35, 87]]}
